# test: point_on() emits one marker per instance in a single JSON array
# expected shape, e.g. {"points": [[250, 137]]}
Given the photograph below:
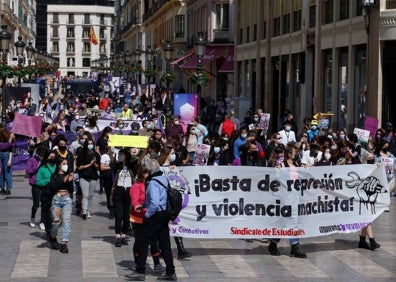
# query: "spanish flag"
{"points": [[92, 36]]}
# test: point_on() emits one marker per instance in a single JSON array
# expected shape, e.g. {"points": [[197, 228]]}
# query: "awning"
{"points": [[228, 65], [211, 53], [181, 59]]}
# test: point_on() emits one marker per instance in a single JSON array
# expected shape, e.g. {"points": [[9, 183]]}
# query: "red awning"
{"points": [[181, 59], [228, 65], [211, 53]]}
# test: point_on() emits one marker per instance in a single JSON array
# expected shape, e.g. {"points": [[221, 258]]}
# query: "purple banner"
{"points": [[185, 105]]}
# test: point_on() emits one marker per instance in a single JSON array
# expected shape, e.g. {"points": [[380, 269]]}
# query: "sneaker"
{"points": [[159, 268], [32, 224], [273, 249], [2, 191], [135, 276], [124, 241], [42, 226], [363, 245], [118, 242], [54, 244], [63, 248], [7, 192], [89, 215], [296, 252], [168, 277], [84, 216]]}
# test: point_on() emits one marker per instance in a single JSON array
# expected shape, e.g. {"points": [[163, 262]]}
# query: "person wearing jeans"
{"points": [[60, 188], [6, 163], [88, 162]]}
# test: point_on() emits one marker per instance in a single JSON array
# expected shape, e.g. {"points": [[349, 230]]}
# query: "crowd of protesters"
{"points": [[91, 163]]}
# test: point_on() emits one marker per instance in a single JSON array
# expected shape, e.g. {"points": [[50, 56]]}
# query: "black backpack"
{"points": [[174, 202]]}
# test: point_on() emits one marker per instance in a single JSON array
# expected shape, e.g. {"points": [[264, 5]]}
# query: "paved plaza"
{"points": [[25, 255]]}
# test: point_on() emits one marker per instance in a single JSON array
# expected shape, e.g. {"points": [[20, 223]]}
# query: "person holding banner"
{"points": [[278, 160], [6, 162]]}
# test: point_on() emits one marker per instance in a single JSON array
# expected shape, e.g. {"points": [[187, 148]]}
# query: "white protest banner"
{"points": [[259, 202], [363, 135]]}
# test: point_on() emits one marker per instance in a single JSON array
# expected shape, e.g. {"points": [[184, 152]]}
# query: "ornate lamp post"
{"points": [[168, 57], [149, 57], [5, 38], [20, 47], [29, 52], [199, 50], [368, 6], [138, 53]]}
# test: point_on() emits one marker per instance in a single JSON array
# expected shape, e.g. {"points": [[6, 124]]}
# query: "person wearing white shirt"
{"points": [[287, 134]]}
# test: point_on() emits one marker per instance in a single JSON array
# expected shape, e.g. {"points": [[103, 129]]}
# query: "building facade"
{"points": [[19, 17], [311, 56]]}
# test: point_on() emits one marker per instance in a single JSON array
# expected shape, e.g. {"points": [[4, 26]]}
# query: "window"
{"points": [[276, 26], [70, 62], [70, 32], [241, 36], [102, 47], [297, 20], [87, 47], [70, 47], [86, 19], [390, 4], [86, 62], [180, 23], [55, 47], [247, 34], [102, 17], [359, 8], [71, 18], [55, 32], [264, 34], [102, 32], [286, 24], [344, 9], [55, 18], [312, 16], [85, 32], [329, 11], [255, 32], [222, 16]]}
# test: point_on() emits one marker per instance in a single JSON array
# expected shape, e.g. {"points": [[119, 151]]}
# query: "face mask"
{"points": [[120, 126], [51, 161], [327, 156], [64, 167], [243, 135], [172, 158], [52, 138], [279, 160], [176, 122], [135, 131], [256, 119], [342, 136], [314, 127], [62, 148], [76, 118], [82, 141], [287, 128], [121, 158], [379, 136], [370, 161], [149, 126], [225, 138], [87, 123], [216, 150], [135, 153], [334, 147], [254, 154], [90, 147]]}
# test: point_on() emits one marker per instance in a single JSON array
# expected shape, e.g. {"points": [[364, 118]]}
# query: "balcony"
{"points": [[70, 52], [54, 35], [55, 22], [86, 51], [54, 51], [221, 35]]}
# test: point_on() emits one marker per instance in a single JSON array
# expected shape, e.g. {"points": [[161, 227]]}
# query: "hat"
{"points": [[314, 122]]}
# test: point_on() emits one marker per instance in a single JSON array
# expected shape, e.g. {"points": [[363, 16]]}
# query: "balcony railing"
{"points": [[221, 34]]}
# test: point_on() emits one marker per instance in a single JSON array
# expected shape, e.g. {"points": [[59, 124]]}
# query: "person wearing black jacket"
{"points": [[60, 188], [88, 162]]}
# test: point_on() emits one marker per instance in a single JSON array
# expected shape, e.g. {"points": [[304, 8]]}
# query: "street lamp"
{"points": [[199, 51], [29, 52], [149, 56], [168, 57], [20, 47], [5, 38], [368, 6]]}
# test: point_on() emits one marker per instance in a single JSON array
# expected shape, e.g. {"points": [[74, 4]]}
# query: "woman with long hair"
{"points": [[106, 176], [6, 163], [88, 162], [120, 198], [138, 197], [190, 141], [60, 188]]}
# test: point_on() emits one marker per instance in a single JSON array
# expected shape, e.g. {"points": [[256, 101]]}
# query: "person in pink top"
{"points": [[138, 197]]}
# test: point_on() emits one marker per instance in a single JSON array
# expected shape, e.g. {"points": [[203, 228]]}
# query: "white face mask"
{"points": [[172, 158], [327, 156], [216, 150], [64, 167], [90, 147], [287, 128], [121, 158]]}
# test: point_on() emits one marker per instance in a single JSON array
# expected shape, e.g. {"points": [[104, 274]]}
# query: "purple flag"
{"points": [[27, 125], [160, 125]]}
